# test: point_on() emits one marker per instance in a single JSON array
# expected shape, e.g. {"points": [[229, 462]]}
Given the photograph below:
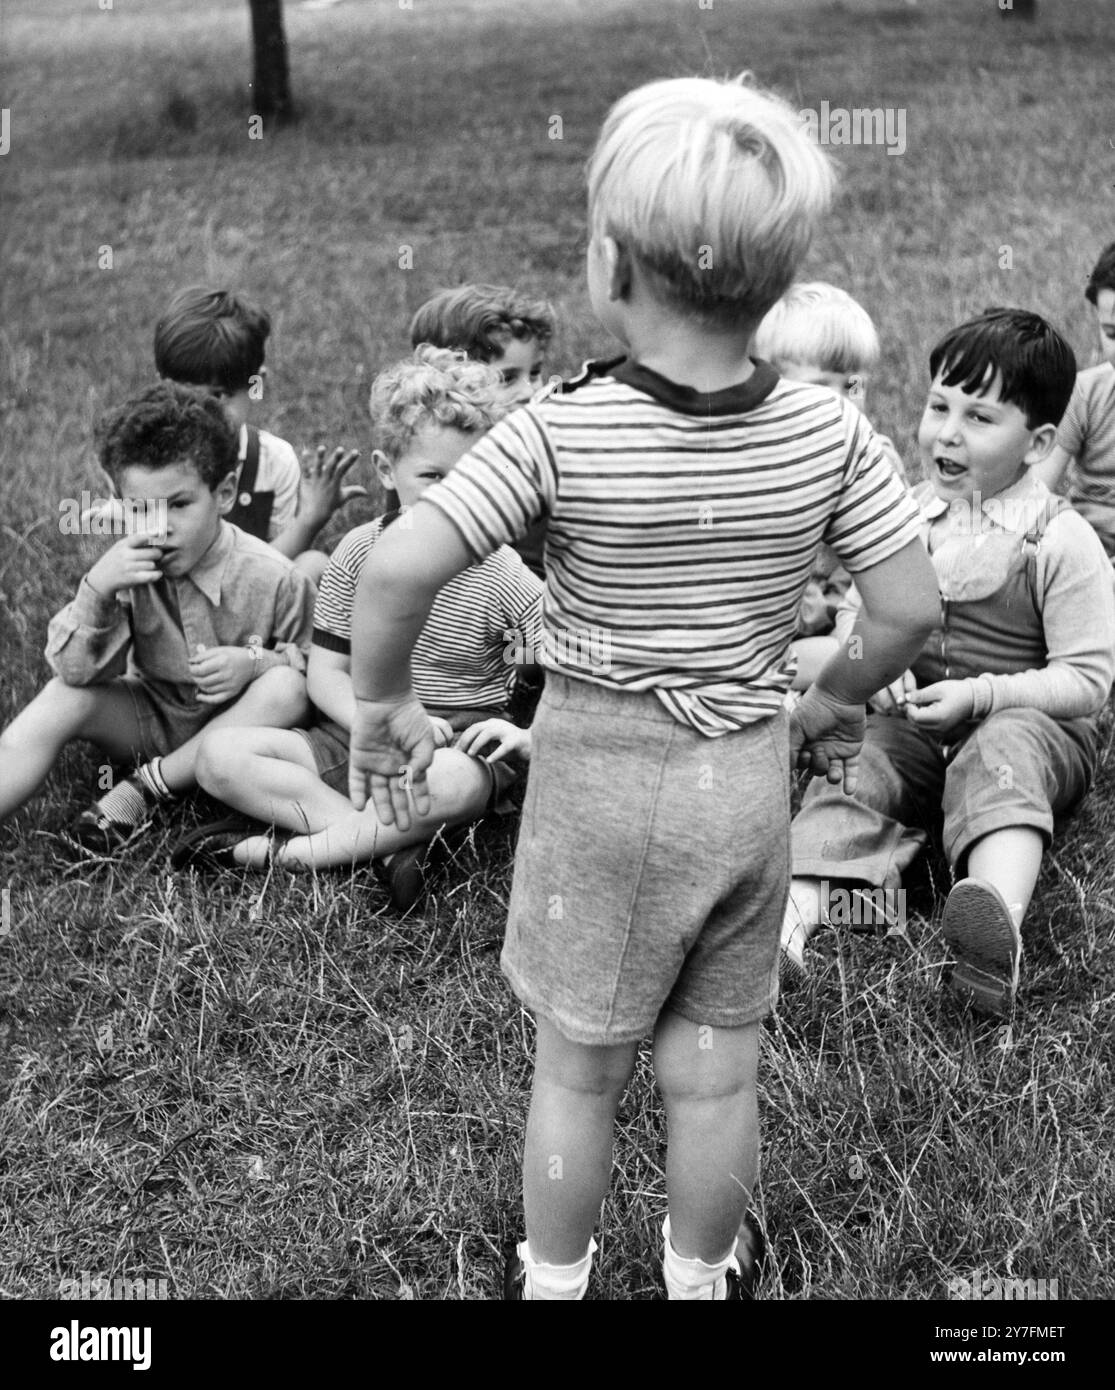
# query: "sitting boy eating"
{"points": [[186, 623]]}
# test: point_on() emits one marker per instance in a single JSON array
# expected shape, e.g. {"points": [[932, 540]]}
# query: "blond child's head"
{"points": [[817, 333], [428, 411], [714, 188]]}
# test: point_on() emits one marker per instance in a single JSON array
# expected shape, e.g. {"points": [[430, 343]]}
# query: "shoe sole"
{"points": [[750, 1274], [192, 851], [986, 945]]}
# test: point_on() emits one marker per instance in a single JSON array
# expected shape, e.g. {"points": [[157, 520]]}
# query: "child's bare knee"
{"points": [[695, 1061], [283, 691], [218, 753], [459, 785]]}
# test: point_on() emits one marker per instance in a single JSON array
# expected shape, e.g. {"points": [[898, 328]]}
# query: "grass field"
{"points": [[275, 1089]]}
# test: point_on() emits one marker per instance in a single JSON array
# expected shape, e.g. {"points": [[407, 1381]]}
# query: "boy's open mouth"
{"points": [[949, 467]]}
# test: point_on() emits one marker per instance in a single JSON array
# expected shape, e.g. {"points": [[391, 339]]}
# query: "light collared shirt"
{"points": [[240, 593], [973, 549]]}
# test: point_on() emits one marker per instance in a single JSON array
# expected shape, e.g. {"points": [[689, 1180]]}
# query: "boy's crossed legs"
{"points": [[273, 776], [707, 1077], [109, 716]]}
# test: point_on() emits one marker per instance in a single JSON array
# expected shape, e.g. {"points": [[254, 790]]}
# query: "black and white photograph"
{"points": [[557, 603]]}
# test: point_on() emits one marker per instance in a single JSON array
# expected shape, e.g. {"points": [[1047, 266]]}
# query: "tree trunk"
{"points": [[271, 96]]}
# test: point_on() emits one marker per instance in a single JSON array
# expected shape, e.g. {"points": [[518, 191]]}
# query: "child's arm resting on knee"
{"points": [[900, 607], [392, 739]]}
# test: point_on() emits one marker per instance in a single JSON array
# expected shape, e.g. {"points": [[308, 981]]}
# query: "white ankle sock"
{"points": [[552, 1282], [126, 804], [693, 1279], [151, 775]]}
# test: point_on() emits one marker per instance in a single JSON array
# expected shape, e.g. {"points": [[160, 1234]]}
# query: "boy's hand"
{"points": [[390, 747], [220, 673], [509, 739], [941, 706], [443, 731], [826, 736], [892, 698], [131, 561], [322, 489]]}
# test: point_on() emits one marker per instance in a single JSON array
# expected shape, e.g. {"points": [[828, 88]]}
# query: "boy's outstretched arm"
{"points": [[393, 741], [900, 609]]}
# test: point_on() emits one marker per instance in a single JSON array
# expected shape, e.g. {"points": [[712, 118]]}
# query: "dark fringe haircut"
{"points": [[1035, 366]]}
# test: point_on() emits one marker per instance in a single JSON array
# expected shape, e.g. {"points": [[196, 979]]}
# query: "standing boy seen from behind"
{"points": [[686, 491]]}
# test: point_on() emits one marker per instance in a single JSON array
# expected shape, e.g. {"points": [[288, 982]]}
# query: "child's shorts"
{"points": [[163, 726], [328, 744], [652, 867]]}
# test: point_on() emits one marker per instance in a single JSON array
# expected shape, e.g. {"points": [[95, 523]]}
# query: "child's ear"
{"points": [[856, 390], [385, 469], [617, 263], [1042, 441], [225, 492]]}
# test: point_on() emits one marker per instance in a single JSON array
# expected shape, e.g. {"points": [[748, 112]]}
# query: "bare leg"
{"points": [[59, 714], [277, 700], [567, 1162], [707, 1077], [269, 774], [459, 789], [1011, 860]]}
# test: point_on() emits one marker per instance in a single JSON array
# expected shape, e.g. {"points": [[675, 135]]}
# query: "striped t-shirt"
{"points": [[681, 526], [482, 621]]}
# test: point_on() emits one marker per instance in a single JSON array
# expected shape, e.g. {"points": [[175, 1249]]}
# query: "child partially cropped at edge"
{"points": [[686, 491], [1082, 462]]}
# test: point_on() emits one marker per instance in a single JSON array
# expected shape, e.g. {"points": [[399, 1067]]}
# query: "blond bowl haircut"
{"points": [[434, 386], [716, 189], [818, 325]]}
